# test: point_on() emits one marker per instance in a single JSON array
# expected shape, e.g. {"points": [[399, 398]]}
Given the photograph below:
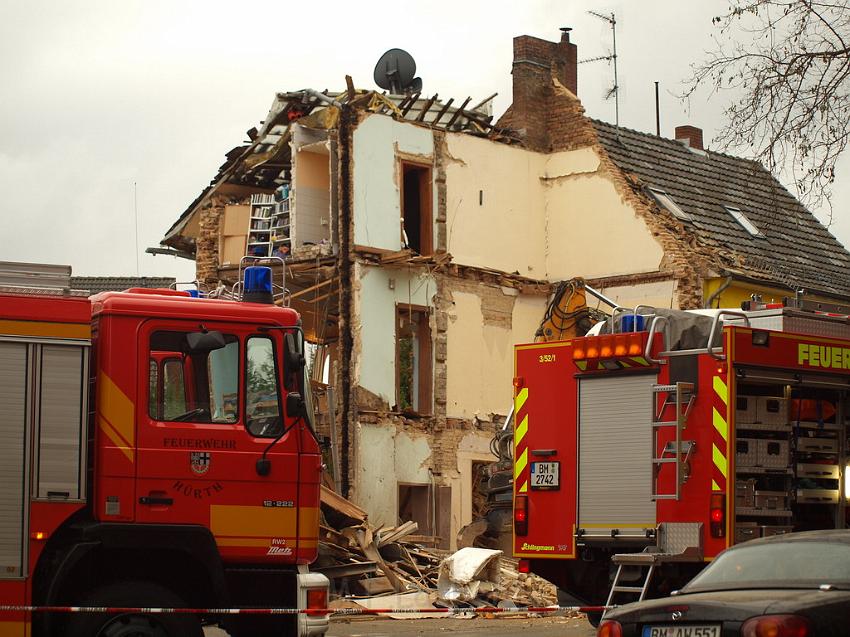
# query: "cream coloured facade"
{"points": [[427, 242]]}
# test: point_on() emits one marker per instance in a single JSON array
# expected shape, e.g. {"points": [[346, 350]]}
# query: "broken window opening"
{"points": [[416, 208], [413, 360], [430, 506]]}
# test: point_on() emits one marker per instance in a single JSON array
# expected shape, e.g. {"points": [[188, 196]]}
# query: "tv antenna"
{"points": [[614, 91], [395, 72]]}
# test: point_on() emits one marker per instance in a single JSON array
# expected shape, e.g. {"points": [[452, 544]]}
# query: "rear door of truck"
{"points": [[545, 449]]}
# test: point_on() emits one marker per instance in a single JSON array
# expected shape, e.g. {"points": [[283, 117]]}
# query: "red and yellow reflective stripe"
{"points": [[520, 444], [720, 437]]}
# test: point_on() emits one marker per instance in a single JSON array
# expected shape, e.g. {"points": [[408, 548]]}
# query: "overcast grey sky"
{"points": [[100, 94]]}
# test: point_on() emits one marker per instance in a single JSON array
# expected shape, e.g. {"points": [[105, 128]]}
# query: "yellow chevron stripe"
{"points": [[720, 424], [115, 437], [519, 401], [520, 431], [640, 360], [524, 487], [582, 365], [117, 408], [719, 459], [715, 486], [721, 389], [521, 462]]}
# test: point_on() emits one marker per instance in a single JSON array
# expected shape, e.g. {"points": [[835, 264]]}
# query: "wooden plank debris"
{"points": [[374, 562]]}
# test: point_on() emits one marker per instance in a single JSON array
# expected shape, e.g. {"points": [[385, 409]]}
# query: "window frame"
{"points": [[426, 204], [425, 362], [279, 388], [663, 199], [744, 221], [189, 381]]}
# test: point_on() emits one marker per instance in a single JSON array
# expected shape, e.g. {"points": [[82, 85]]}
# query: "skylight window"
{"points": [[665, 201], [741, 218]]}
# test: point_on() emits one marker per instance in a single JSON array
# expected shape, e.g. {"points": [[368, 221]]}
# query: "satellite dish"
{"points": [[395, 72]]}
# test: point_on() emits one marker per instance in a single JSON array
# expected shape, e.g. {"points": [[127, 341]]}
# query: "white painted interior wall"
{"points": [[656, 294], [385, 457], [378, 140], [374, 336]]}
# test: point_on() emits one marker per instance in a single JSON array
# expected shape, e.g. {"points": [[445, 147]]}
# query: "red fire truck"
{"points": [[642, 452], [156, 450]]}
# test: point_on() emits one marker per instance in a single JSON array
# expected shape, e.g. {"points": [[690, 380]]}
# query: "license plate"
{"points": [[545, 475], [681, 631]]}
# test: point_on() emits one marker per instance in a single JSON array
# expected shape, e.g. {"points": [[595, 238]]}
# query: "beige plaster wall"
{"points": [[591, 231], [480, 355], [495, 208], [474, 447], [543, 216]]}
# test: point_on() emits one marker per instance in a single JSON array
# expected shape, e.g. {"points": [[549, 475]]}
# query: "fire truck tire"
{"points": [[131, 594], [594, 619]]}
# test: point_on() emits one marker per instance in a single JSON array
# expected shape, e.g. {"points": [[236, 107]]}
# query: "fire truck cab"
{"points": [[156, 450], [645, 450]]}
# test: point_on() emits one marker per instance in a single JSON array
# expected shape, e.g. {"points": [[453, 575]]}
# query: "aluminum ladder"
{"points": [[676, 542], [679, 396]]}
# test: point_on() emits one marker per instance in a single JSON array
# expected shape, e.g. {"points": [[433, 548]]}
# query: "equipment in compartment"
{"points": [[767, 531], [773, 454], [771, 410], [746, 531], [746, 452], [746, 409], [771, 500], [745, 493]]}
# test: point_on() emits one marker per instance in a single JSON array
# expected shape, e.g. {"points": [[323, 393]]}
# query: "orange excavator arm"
{"points": [[567, 315]]}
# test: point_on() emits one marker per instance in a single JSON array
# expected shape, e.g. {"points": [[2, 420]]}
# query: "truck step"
{"points": [[628, 589]]}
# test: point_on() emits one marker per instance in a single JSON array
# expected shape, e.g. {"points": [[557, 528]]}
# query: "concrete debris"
{"points": [[385, 566], [466, 572]]}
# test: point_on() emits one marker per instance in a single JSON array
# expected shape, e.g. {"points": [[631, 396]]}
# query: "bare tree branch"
{"points": [[788, 64]]}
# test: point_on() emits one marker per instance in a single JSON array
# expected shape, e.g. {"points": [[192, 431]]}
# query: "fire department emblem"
{"points": [[199, 461]]}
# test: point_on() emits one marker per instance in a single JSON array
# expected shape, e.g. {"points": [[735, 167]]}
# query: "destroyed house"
{"points": [[423, 240]]}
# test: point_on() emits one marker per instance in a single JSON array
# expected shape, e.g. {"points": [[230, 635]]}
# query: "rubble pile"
{"points": [[364, 562]]}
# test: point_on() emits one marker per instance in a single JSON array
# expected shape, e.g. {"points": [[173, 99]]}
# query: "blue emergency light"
{"points": [[257, 284]]}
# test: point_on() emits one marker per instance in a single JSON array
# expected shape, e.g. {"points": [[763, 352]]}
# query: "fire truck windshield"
{"points": [[197, 386]]}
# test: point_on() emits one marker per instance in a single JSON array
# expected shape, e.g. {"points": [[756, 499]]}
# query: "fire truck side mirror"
{"points": [[294, 356], [200, 342], [295, 406]]}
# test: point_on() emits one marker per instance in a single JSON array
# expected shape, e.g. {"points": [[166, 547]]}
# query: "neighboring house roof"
{"points": [[95, 284], [795, 249]]}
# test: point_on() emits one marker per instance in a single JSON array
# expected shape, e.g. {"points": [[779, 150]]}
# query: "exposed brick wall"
{"points": [[206, 247], [691, 134]]}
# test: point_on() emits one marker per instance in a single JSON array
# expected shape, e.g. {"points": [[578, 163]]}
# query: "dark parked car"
{"points": [[795, 585]]}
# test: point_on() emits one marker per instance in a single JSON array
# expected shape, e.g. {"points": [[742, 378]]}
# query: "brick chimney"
{"points": [[536, 61], [691, 136]]}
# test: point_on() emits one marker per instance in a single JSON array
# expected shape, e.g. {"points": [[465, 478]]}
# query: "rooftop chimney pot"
{"points": [[690, 135], [565, 34]]}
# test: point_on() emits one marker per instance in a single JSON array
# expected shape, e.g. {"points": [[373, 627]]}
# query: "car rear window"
{"points": [[776, 565]]}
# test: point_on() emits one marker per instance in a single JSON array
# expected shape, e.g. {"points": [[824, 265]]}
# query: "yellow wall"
{"points": [[740, 291]]}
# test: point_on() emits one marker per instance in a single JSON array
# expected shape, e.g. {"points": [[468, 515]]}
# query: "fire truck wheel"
{"points": [[594, 619], [133, 594]]}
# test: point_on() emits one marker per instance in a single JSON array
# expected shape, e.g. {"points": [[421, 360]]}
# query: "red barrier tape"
{"points": [[114, 610]]}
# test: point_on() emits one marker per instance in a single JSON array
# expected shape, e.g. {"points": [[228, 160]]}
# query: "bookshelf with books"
{"points": [[260, 225]]}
